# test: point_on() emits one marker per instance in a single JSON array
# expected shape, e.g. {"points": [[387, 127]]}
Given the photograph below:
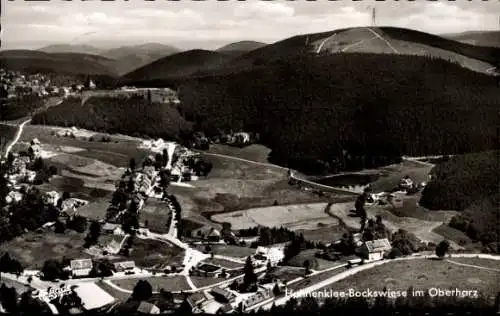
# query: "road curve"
{"points": [[17, 137]]}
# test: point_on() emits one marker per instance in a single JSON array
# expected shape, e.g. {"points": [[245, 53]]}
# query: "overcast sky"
{"points": [[210, 24]]}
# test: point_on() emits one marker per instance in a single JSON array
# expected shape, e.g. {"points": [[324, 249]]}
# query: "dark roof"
{"points": [[378, 245], [222, 292]]}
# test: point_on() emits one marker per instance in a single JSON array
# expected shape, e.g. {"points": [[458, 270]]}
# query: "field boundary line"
{"points": [[473, 266]]}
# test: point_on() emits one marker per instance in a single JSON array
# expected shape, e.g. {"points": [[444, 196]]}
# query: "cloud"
{"points": [[441, 17], [172, 22], [262, 10]]}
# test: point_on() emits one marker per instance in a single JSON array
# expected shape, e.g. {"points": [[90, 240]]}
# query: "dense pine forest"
{"points": [[321, 113], [469, 183], [133, 116]]}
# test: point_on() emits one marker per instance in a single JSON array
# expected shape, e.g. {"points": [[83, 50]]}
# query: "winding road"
{"points": [[17, 137]]}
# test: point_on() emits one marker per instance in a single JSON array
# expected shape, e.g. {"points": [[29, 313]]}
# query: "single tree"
{"points": [[249, 277], [142, 291], [442, 248], [132, 164]]}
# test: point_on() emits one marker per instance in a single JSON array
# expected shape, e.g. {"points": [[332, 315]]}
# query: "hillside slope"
{"points": [[480, 38], [469, 183], [375, 107], [179, 65], [129, 58], [380, 40], [61, 63]]}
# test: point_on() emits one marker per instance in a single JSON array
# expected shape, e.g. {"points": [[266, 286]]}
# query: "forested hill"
{"points": [[376, 107], [469, 183]]}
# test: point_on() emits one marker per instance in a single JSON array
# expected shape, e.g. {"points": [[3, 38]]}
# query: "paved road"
{"points": [[17, 137]]}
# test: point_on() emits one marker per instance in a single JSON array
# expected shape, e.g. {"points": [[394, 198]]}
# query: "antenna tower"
{"points": [[373, 12]]}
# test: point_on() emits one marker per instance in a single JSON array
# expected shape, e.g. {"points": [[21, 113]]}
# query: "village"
{"points": [[243, 282], [100, 222]]}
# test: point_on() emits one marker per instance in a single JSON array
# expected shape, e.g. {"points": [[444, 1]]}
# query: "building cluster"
{"points": [[16, 84], [217, 300], [157, 95]]}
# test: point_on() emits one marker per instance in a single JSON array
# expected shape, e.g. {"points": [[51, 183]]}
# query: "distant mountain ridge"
{"points": [[71, 48], [135, 56], [127, 58], [480, 38], [188, 63], [61, 63]]}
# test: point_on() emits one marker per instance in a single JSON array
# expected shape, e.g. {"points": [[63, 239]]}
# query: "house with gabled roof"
{"points": [[124, 266], [81, 267], [196, 300], [148, 308], [373, 250]]}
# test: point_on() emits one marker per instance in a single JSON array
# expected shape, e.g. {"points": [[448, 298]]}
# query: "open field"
{"points": [[423, 229], [149, 252], [253, 152], [33, 249], [323, 233], [422, 274], [117, 152], [487, 263], [454, 235], [301, 216], [157, 215], [226, 264], [169, 283], [119, 295], [200, 281], [287, 274], [235, 185], [237, 169], [315, 263], [229, 250], [96, 209]]}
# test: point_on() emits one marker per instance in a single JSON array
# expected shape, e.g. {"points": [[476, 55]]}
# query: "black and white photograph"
{"points": [[282, 158]]}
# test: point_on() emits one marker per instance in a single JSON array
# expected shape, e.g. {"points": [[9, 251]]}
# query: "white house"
{"points": [[51, 198], [274, 254], [81, 267], [375, 249], [124, 266]]}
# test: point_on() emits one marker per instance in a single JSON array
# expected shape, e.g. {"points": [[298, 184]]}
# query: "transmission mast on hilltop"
{"points": [[373, 14]]}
